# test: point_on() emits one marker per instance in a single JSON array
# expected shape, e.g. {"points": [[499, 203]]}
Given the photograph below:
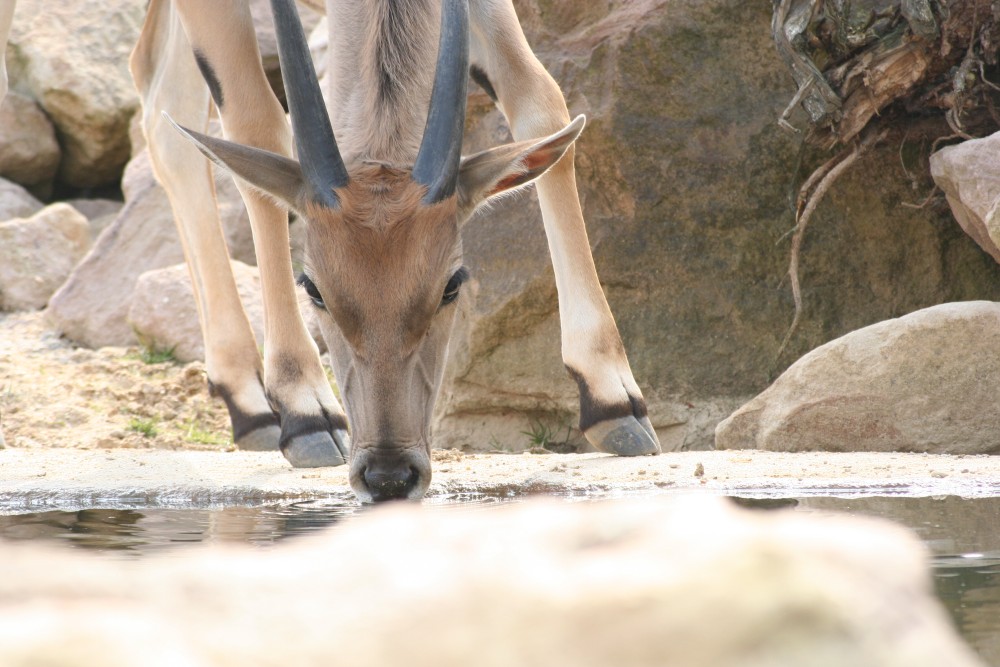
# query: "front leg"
{"points": [[285, 402], [612, 410]]}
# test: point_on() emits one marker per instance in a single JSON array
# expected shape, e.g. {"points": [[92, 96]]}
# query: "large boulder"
{"points": [[72, 58], [685, 177], [969, 174], [29, 153], [38, 253], [92, 307], [692, 582], [925, 382], [16, 202]]}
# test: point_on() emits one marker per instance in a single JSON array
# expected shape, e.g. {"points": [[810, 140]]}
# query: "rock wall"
{"points": [[686, 178]]}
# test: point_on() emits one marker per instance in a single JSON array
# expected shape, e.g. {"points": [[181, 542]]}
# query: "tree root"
{"points": [[810, 195]]}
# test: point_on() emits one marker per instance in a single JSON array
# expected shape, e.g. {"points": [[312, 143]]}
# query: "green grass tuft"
{"points": [[155, 355], [145, 426]]}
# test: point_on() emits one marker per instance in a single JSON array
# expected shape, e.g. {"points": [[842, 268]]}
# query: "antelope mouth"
{"points": [[390, 472]]}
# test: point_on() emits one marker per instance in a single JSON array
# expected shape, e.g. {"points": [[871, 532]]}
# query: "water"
{"points": [[961, 534]]}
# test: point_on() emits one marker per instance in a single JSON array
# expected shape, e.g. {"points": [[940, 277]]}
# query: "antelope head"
{"points": [[383, 251]]}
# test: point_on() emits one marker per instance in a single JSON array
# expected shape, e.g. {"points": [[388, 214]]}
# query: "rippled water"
{"points": [[962, 535]]}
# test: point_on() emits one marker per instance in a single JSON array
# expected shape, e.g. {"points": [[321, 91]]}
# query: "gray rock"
{"points": [[920, 383], [72, 58], [16, 202], [38, 253], [693, 582], [164, 315], [969, 174], [29, 153]]}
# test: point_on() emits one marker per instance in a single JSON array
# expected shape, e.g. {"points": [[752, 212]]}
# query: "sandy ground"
{"points": [[105, 427], [53, 394]]}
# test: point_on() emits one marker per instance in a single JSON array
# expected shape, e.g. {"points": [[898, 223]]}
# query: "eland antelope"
{"points": [[381, 183]]}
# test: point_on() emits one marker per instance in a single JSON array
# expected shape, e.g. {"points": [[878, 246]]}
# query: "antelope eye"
{"points": [[311, 290], [454, 285]]}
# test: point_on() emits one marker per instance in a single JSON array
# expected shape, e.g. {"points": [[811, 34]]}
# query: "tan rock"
{"points": [[99, 212], [920, 383], [969, 174], [29, 153], [38, 253], [164, 315], [693, 582], [72, 58], [16, 202]]}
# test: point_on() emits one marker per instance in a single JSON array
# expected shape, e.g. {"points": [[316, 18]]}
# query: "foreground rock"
{"points": [[920, 383], [92, 307], [73, 59], [695, 583], [164, 315], [969, 174], [38, 253]]}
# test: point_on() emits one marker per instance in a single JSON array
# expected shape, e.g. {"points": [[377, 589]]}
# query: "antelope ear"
{"points": [[271, 174], [507, 168]]}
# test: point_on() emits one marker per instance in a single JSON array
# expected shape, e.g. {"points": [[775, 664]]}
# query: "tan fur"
{"points": [[383, 257]]}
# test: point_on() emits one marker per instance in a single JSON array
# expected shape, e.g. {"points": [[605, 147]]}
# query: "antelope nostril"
{"points": [[391, 483]]}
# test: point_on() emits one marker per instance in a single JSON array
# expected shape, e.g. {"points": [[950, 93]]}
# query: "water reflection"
{"points": [[137, 532], [147, 531]]}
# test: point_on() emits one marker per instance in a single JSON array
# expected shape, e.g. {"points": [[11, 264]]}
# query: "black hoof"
{"points": [[317, 449], [625, 436]]}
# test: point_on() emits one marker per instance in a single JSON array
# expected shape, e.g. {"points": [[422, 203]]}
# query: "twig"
{"points": [[982, 77], [902, 162], [799, 94], [934, 146], [925, 202], [811, 202]]}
